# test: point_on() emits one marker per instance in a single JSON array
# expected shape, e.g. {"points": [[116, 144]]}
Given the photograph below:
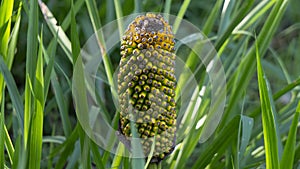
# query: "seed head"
{"points": [[146, 84]]}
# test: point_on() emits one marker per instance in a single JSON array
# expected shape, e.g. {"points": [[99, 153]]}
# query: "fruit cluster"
{"points": [[146, 84]]}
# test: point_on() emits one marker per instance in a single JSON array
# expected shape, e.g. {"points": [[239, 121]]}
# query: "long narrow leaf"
{"points": [[52, 23], [180, 15], [65, 149], [96, 155], [119, 14], [61, 102], [2, 135], [167, 7], [6, 9], [74, 36], [247, 65], [51, 76], [19, 160], [36, 133], [219, 144], [31, 55], [290, 146], [13, 92], [67, 21], [268, 119], [9, 145], [50, 66], [13, 39], [118, 158], [9, 59], [92, 9]]}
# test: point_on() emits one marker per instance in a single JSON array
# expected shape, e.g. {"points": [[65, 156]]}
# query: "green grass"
{"points": [[257, 42]]}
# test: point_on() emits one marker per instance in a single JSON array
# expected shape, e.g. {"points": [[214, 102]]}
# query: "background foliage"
{"points": [[257, 41]]}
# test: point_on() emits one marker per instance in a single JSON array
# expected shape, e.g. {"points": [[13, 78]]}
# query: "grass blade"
{"points": [[74, 158], [167, 8], [207, 28], [19, 160], [66, 148], [246, 125], [254, 14], [61, 102], [119, 14], [36, 133], [137, 6], [52, 24], [247, 65], [235, 21], [6, 9], [50, 65], [226, 13], [118, 158], [279, 94], [91, 5], [13, 39], [290, 146], [219, 144], [13, 92], [74, 36], [7, 48], [92, 9], [9, 145], [192, 139], [268, 119], [180, 15], [85, 149], [31, 55], [67, 21], [51, 76], [2, 124], [96, 155], [110, 13]]}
